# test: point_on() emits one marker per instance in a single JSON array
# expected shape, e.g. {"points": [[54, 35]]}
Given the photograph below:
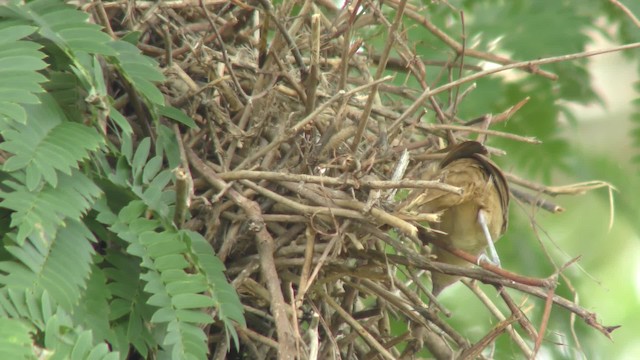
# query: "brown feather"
{"points": [[484, 187]]}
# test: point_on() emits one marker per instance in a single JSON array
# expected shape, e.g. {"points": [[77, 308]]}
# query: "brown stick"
{"points": [[266, 249]]}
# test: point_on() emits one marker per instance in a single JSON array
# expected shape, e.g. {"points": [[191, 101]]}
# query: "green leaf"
{"points": [[45, 264], [120, 120], [47, 143], [177, 115], [139, 70], [65, 26], [224, 295], [10, 35], [192, 301], [20, 62], [140, 157], [152, 168], [42, 213], [15, 339]]}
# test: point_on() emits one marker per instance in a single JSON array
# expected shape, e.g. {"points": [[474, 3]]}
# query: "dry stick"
{"points": [[368, 338], [434, 341], [537, 287], [177, 4], [526, 139], [380, 215], [588, 317], [401, 64], [266, 249], [364, 118], [626, 10], [422, 308], [302, 208], [258, 337], [310, 235], [515, 309], [289, 133], [104, 18], [498, 314], [223, 50], [268, 8], [432, 299], [474, 351], [571, 189], [537, 201], [545, 321], [459, 48], [453, 100], [417, 69], [325, 254], [326, 180], [545, 283], [311, 82], [523, 64]]}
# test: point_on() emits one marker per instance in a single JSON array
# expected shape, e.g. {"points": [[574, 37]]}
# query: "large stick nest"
{"points": [[293, 166]]}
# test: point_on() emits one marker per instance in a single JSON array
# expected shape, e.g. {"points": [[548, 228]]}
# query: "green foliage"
{"points": [[91, 264], [520, 31], [15, 339], [635, 118]]}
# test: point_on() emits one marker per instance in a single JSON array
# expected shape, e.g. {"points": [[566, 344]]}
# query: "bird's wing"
{"points": [[467, 167], [500, 184]]}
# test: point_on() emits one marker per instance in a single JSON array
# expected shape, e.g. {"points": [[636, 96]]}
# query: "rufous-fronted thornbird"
{"points": [[472, 221]]}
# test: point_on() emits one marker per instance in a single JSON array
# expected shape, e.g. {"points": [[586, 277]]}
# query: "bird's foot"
{"points": [[495, 259], [484, 258]]}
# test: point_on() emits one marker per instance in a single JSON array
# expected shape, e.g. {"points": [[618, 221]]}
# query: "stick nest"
{"points": [[293, 169]]}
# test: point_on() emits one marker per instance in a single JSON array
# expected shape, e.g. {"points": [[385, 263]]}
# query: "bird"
{"points": [[472, 221]]}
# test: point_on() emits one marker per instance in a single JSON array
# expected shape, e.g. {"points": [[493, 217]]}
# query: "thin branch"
{"points": [[526, 139], [326, 180], [266, 249], [523, 64], [627, 12]]}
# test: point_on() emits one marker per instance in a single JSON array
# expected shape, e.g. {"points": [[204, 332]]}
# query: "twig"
{"points": [[266, 249], [268, 8], [498, 314], [326, 180], [476, 349], [357, 327], [545, 321], [529, 140], [523, 64], [287, 135], [531, 199], [626, 10], [225, 57], [364, 118]]}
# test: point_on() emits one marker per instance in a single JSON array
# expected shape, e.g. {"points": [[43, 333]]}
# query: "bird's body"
{"points": [[485, 199]]}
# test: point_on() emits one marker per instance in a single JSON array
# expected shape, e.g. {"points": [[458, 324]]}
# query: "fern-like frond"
{"points": [[63, 338], [167, 272], [60, 23], [140, 71], [15, 339], [226, 300], [60, 265], [42, 213], [68, 341], [71, 42], [93, 311], [129, 312], [47, 144], [33, 305], [20, 62]]}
